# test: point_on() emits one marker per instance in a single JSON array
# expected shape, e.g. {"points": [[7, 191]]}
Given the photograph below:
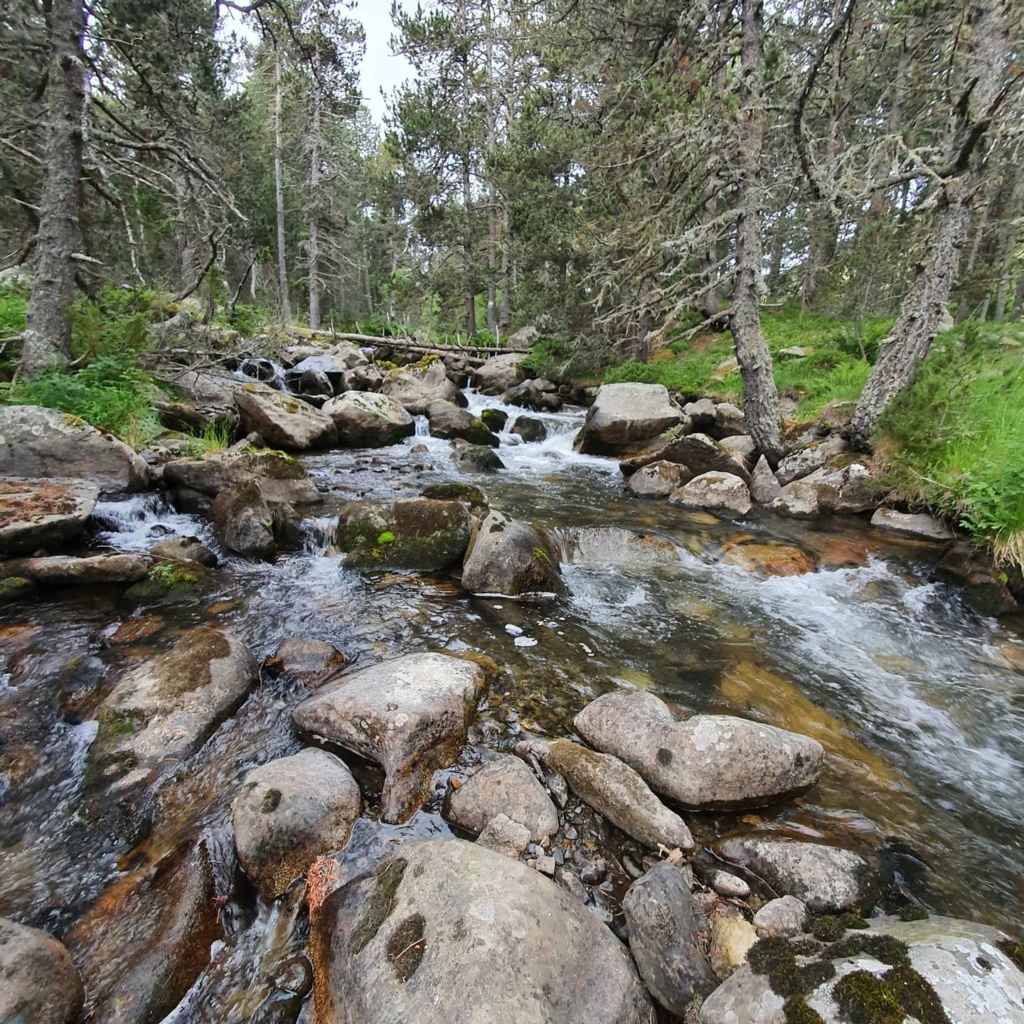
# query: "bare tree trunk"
{"points": [[282, 264], [314, 219], [760, 398], [492, 195], [823, 230], [47, 339], [505, 321]]}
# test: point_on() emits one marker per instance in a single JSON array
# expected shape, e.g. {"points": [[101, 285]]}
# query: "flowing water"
{"points": [[919, 701]]}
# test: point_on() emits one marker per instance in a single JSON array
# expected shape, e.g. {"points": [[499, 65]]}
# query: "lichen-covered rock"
{"points": [[289, 812], [707, 761], [448, 930], [715, 492], [504, 786], [284, 421], [409, 715], [51, 445], [280, 477], [624, 414], [613, 789], [38, 981], [664, 929], [415, 387], [702, 454], [499, 373], [510, 558], [800, 499], [732, 935], [785, 917], [505, 836], [167, 707], [414, 533], [922, 526], [850, 489], [366, 420], [808, 459], [45, 514], [658, 479], [306, 661], [448, 422]]}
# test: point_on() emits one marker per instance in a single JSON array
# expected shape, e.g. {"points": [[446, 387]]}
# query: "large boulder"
{"points": [[530, 429], [448, 422], [243, 522], [613, 789], [850, 489], [43, 513], [510, 558], [289, 812], [664, 929], [409, 715], [707, 761], [658, 479], [944, 970], [281, 478], [48, 444], [414, 533], [825, 878], [806, 460], [448, 930], [624, 414], [367, 420], [697, 452], [505, 786], [478, 458], [168, 706], [284, 421], [38, 981], [715, 492], [499, 373], [415, 387]]}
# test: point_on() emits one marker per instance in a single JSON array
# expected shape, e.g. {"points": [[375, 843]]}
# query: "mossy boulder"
{"points": [[510, 558], [170, 581], [367, 420], [284, 421], [415, 533], [449, 422]]}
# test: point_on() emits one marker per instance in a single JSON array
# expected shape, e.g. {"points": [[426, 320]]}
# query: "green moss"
{"points": [[1014, 950], [882, 947], [378, 904], [15, 588], [913, 913], [889, 999], [387, 537], [828, 928], [271, 801], [798, 1012], [406, 946], [541, 556], [806, 947], [852, 921]]}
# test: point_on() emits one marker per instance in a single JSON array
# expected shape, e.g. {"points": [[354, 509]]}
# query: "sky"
{"points": [[379, 69]]}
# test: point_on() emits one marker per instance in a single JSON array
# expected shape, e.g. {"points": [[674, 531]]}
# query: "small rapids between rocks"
{"points": [[918, 701]]}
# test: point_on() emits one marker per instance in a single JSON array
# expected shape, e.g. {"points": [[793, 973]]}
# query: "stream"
{"points": [[918, 700]]}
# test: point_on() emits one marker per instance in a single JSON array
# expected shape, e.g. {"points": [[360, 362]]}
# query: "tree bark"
{"points": [[282, 264], [760, 397], [314, 220], [47, 338]]}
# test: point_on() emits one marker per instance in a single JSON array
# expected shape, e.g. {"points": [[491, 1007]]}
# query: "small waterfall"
{"points": [[422, 426], [318, 536], [136, 523]]}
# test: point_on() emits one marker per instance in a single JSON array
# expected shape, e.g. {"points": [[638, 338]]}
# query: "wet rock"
{"points": [[613, 789], [983, 583], [971, 977], [414, 388], [702, 454], [623, 414], [530, 395], [664, 929], [659, 479], [510, 558], [148, 937], [280, 477], [456, 492], [184, 549], [409, 715], [38, 981], [47, 514], [307, 661], [415, 533], [284, 421], [728, 885], [478, 459], [15, 588], [505, 836], [448, 927], [243, 522], [708, 761], [51, 445], [171, 582], [366, 420], [799, 500], [289, 812], [805, 461], [80, 687], [769, 559], [504, 786], [499, 373], [449, 422], [825, 878], [921, 525], [530, 429], [605, 546], [716, 492], [494, 419], [785, 917], [732, 935], [312, 382], [167, 707], [765, 488], [66, 571]]}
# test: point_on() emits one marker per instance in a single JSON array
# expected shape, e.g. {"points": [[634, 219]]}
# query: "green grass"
{"points": [[13, 308]]}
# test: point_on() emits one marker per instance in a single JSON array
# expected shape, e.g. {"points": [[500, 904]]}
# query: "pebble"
{"points": [[571, 833], [545, 865], [631, 867], [728, 885], [513, 630], [593, 871], [525, 641], [559, 790]]}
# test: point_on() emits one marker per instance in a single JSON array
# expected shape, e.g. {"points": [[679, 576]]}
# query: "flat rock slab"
{"points": [[706, 761], [613, 789], [38, 981], [65, 571], [921, 526], [168, 707], [505, 786], [289, 812], [623, 414], [448, 932], [48, 444], [409, 715], [43, 513], [284, 421]]}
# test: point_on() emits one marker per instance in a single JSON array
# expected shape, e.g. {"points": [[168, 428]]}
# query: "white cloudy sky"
{"points": [[380, 69]]}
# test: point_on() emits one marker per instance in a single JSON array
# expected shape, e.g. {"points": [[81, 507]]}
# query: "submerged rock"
{"points": [[613, 789], [706, 761], [510, 558], [769, 559], [605, 546], [306, 661], [38, 981], [717, 492], [284, 421], [448, 930], [624, 414], [45, 514], [289, 812], [367, 420], [409, 715]]}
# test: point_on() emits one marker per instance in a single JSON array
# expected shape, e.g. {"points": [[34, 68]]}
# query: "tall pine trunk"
{"points": [[314, 219], [282, 264], [47, 338], [760, 398]]}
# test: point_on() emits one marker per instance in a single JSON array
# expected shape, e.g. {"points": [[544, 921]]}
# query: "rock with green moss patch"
{"points": [[283, 420], [510, 558], [290, 811], [455, 492], [448, 422], [448, 930], [495, 419], [280, 477], [169, 581], [805, 461], [16, 588], [414, 533], [415, 387]]}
